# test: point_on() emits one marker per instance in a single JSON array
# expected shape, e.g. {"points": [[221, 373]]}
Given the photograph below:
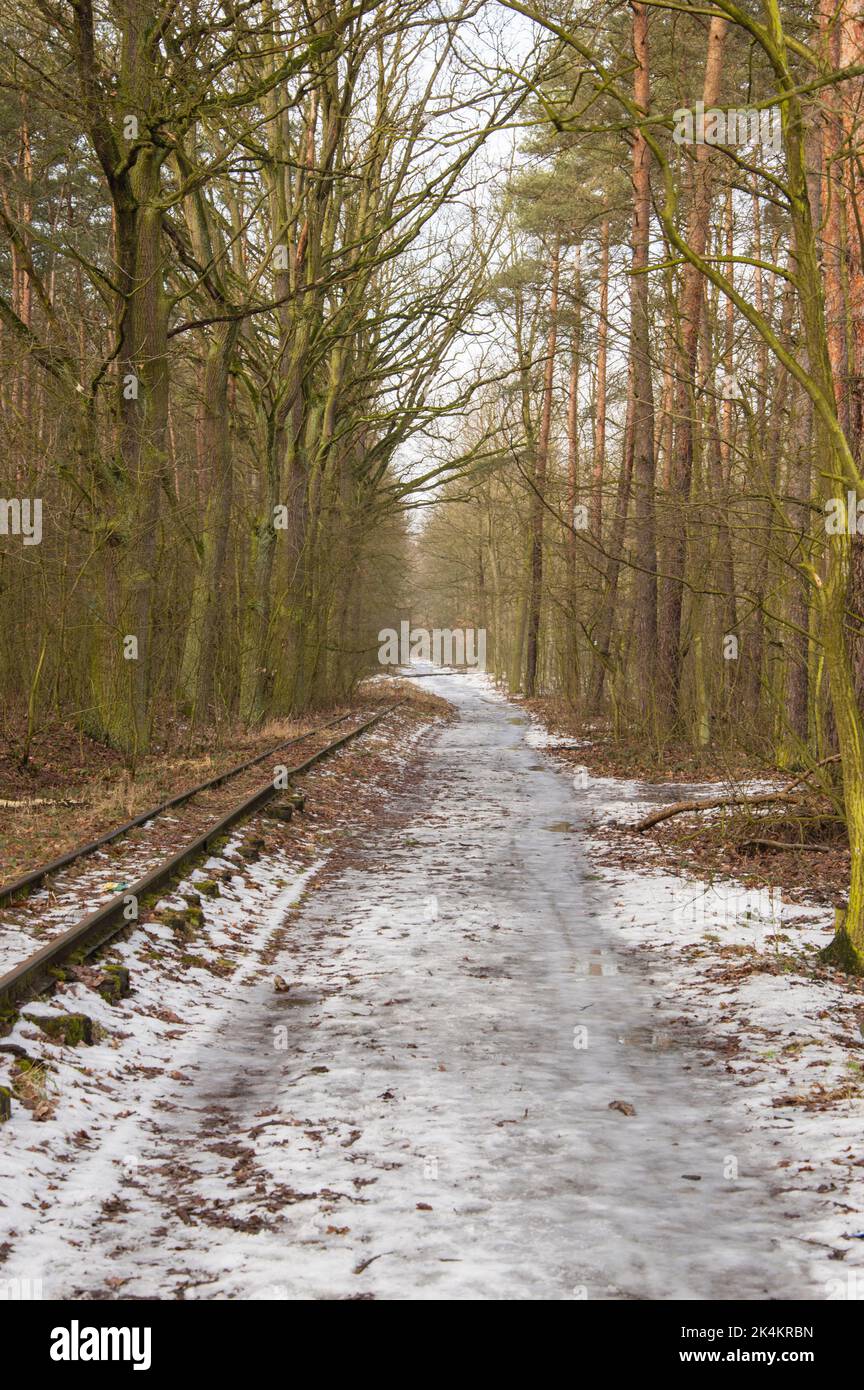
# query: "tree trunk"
{"points": [[538, 498], [692, 289], [644, 548], [600, 415]]}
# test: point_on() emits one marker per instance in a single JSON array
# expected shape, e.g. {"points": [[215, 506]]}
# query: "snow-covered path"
{"points": [[425, 1113]]}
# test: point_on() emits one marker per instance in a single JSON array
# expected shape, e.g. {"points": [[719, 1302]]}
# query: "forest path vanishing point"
{"points": [[437, 1125]]}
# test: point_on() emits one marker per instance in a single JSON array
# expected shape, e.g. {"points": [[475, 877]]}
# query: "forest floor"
{"points": [[443, 1040], [815, 867]]}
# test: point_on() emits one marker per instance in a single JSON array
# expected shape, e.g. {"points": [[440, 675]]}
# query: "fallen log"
{"points": [[679, 807]]}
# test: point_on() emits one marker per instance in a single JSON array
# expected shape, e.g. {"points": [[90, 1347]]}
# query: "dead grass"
{"points": [[420, 700], [35, 1089]]}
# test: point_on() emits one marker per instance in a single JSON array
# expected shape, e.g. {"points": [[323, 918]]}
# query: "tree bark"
{"points": [[645, 547], [692, 289], [538, 499]]}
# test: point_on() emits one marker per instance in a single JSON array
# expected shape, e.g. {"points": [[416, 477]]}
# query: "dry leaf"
{"points": [[624, 1106]]}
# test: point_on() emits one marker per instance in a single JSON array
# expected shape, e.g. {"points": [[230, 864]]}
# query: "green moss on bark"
{"points": [[69, 1029]]}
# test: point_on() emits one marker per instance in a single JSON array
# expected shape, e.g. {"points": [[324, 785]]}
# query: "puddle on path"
{"points": [[657, 1039], [294, 996]]}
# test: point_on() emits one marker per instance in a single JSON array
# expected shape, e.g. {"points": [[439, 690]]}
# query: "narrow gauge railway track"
{"points": [[35, 877], [93, 929]]}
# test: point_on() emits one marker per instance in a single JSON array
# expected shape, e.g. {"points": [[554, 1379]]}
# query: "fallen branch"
{"points": [[834, 758], [787, 844], [679, 807], [761, 799], [29, 801]]}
